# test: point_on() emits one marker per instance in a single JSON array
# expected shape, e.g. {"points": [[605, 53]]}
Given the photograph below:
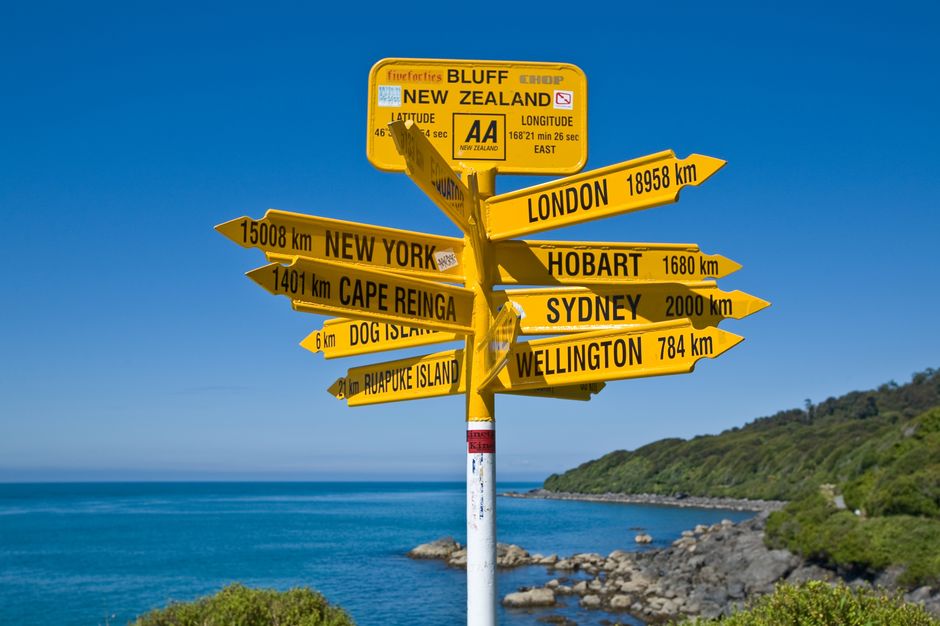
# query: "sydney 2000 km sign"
{"points": [[606, 310]]}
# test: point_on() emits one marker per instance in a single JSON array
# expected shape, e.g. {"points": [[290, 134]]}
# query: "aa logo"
{"points": [[488, 135], [479, 136]]}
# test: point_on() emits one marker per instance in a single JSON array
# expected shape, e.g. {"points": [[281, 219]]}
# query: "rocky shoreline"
{"points": [[709, 571], [701, 502]]}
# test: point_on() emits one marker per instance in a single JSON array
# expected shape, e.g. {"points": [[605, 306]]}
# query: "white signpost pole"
{"points": [[481, 432]]}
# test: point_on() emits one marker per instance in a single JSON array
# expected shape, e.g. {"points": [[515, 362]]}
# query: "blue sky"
{"points": [[133, 347]]}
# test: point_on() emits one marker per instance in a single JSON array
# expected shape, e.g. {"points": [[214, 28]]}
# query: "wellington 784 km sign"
{"points": [[607, 310]]}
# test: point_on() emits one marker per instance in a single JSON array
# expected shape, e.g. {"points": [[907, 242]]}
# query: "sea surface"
{"points": [[102, 553]]}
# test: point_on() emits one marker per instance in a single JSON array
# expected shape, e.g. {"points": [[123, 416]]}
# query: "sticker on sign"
{"points": [[564, 99], [445, 259]]}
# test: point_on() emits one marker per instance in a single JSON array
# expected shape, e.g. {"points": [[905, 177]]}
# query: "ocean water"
{"points": [[103, 553]]}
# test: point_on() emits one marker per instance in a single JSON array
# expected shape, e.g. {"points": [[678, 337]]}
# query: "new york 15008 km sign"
{"points": [[519, 117]]}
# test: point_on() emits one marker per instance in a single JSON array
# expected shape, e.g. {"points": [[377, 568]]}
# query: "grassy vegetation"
{"points": [[879, 450], [817, 604], [237, 605]]}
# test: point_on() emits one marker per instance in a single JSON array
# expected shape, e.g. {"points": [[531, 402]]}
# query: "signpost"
{"points": [[576, 309], [431, 376], [337, 289], [283, 235], [587, 263], [346, 337], [612, 310], [629, 186]]}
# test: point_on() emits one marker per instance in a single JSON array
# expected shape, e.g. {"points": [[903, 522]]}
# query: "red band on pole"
{"points": [[481, 441]]}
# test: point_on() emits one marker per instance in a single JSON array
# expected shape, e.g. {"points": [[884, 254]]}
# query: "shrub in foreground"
{"points": [[237, 605], [818, 604]]}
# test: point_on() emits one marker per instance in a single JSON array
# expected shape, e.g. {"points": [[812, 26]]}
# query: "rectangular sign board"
{"points": [[283, 234], [496, 343], [579, 309], [341, 337], [595, 263], [633, 185], [583, 358], [338, 289], [519, 117]]}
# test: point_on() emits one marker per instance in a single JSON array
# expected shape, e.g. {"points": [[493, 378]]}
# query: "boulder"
{"points": [[440, 549], [539, 596], [591, 601], [643, 538]]}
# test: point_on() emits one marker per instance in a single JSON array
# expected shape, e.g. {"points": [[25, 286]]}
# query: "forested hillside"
{"points": [[776, 457], [862, 473]]}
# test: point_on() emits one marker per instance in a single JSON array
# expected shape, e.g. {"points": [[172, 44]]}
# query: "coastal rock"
{"points": [[539, 596], [643, 538], [591, 601], [439, 549]]}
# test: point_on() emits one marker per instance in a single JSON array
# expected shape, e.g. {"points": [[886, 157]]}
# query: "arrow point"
{"points": [[726, 341], [258, 274], [310, 342], [729, 266], [336, 389], [709, 165], [230, 230]]}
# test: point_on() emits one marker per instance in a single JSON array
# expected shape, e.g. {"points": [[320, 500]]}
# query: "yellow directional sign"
{"points": [[295, 234], [569, 392], [343, 337], [629, 186], [577, 309], [519, 117], [497, 341], [338, 289], [588, 263], [429, 376], [428, 169], [653, 350]]}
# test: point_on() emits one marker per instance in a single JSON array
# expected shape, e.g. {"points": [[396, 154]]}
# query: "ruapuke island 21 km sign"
{"points": [[520, 117]]}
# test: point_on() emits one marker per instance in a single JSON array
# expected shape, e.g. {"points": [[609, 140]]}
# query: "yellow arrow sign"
{"points": [[428, 169], [653, 350], [577, 309], [629, 186], [428, 376], [294, 234], [588, 263], [338, 289], [568, 392], [342, 337], [497, 341], [521, 117]]}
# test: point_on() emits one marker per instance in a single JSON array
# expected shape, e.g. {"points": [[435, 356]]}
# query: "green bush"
{"points": [[818, 604], [814, 529], [237, 605]]}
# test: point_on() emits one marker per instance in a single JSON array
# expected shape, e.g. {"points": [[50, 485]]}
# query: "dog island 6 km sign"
{"points": [[519, 117]]}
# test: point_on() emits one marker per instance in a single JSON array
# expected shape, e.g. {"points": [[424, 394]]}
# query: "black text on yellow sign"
{"points": [[519, 117], [339, 289], [653, 350], [629, 186], [344, 337], [294, 234], [590, 263], [428, 169], [578, 309], [429, 376]]}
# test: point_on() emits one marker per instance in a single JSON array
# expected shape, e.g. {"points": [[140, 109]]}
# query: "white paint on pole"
{"points": [[481, 523]]}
